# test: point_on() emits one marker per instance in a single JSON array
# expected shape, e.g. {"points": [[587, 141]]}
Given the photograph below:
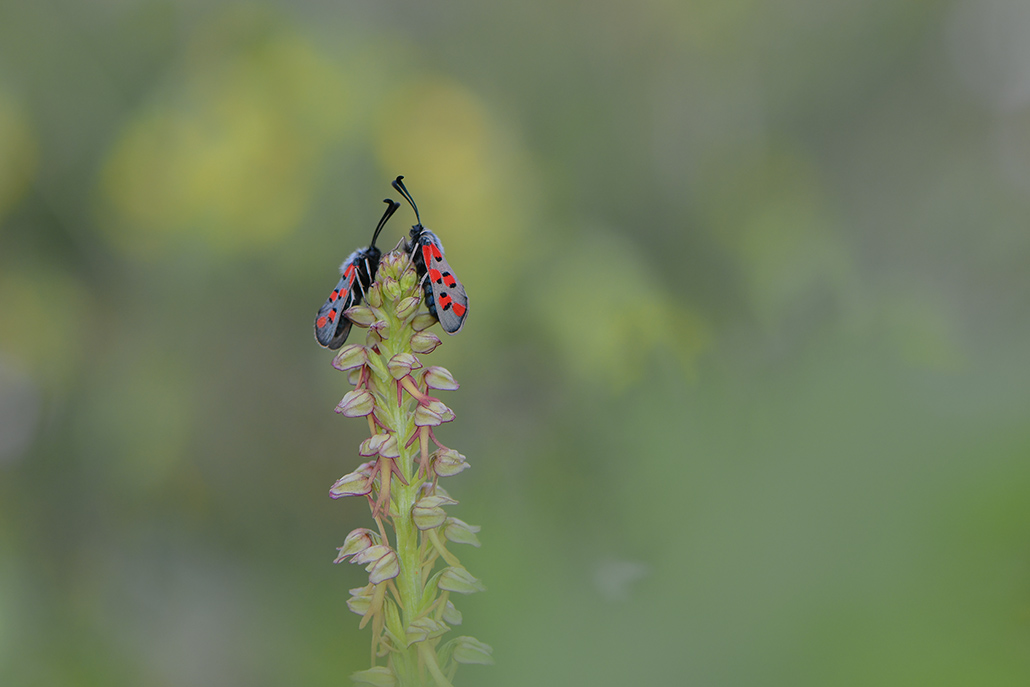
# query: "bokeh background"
{"points": [[746, 379]]}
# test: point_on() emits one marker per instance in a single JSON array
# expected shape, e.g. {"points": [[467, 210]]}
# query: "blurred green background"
{"points": [[746, 380]]}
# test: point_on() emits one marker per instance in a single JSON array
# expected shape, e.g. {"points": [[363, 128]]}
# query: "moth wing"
{"points": [[331, 327], [449, 299]]}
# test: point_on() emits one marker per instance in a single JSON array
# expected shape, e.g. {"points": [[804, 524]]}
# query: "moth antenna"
{"points": [[399, 185], [392, 208]]}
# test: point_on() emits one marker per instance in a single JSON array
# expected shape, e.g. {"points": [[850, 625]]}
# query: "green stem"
{"points": [[409, 579]]}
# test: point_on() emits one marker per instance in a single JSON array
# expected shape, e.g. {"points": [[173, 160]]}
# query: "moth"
{"points": [[444, 294], [356, 275]]}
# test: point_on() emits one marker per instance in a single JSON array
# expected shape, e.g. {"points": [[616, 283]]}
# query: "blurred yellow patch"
{"points": [[17, 153], [228, 157], [44, 314], [716, 27], [142, 416], [609, 319], [468, 177], [770, 212]]}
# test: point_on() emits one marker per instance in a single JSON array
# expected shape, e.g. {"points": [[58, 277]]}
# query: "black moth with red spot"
{"points": [[356, 275], [445, 296]]}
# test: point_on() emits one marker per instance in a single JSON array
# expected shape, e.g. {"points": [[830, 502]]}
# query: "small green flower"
{"points": [[357, 403], [357, 483]]}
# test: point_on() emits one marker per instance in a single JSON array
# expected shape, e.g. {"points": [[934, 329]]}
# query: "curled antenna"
{"points": [[399, 185], [392, 208]]}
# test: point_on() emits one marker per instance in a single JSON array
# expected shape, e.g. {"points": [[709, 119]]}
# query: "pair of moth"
{"points": [[445, 296]]}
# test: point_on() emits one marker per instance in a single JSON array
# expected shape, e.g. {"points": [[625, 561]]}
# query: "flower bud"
{"points": [[445, 413], [371, 446], [459, 580], [392, 263], [360, 315], [428, 511], [380, 676], [380, 329], [357, 403], [471, 650], [407, 307], [389, 449], [422, 321], [431, 489], [391, 289], [409, 278], [384, 569], [361, 600], [356, 483], [369, 554], [433, 414], [402, 364], [448, 462], [374, 296], [350, 357], [424, 342], [376, 364], [437, 377], [451, 615], [460, 532], [357, 544], [421, 629], [424, 417]]}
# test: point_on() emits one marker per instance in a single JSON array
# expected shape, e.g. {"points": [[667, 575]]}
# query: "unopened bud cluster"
{"points": [[407, 598]]}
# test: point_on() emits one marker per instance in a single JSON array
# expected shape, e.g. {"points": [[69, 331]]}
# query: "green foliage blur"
{"points": [[746, 378]]}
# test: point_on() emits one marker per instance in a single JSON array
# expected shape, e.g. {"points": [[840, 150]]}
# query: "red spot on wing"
{"points": [[321, 321], [445, 300], [332, 315], [333, 296], [450, 281], [347, 273], [459, 309], [427, 253], [434, 275]]}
